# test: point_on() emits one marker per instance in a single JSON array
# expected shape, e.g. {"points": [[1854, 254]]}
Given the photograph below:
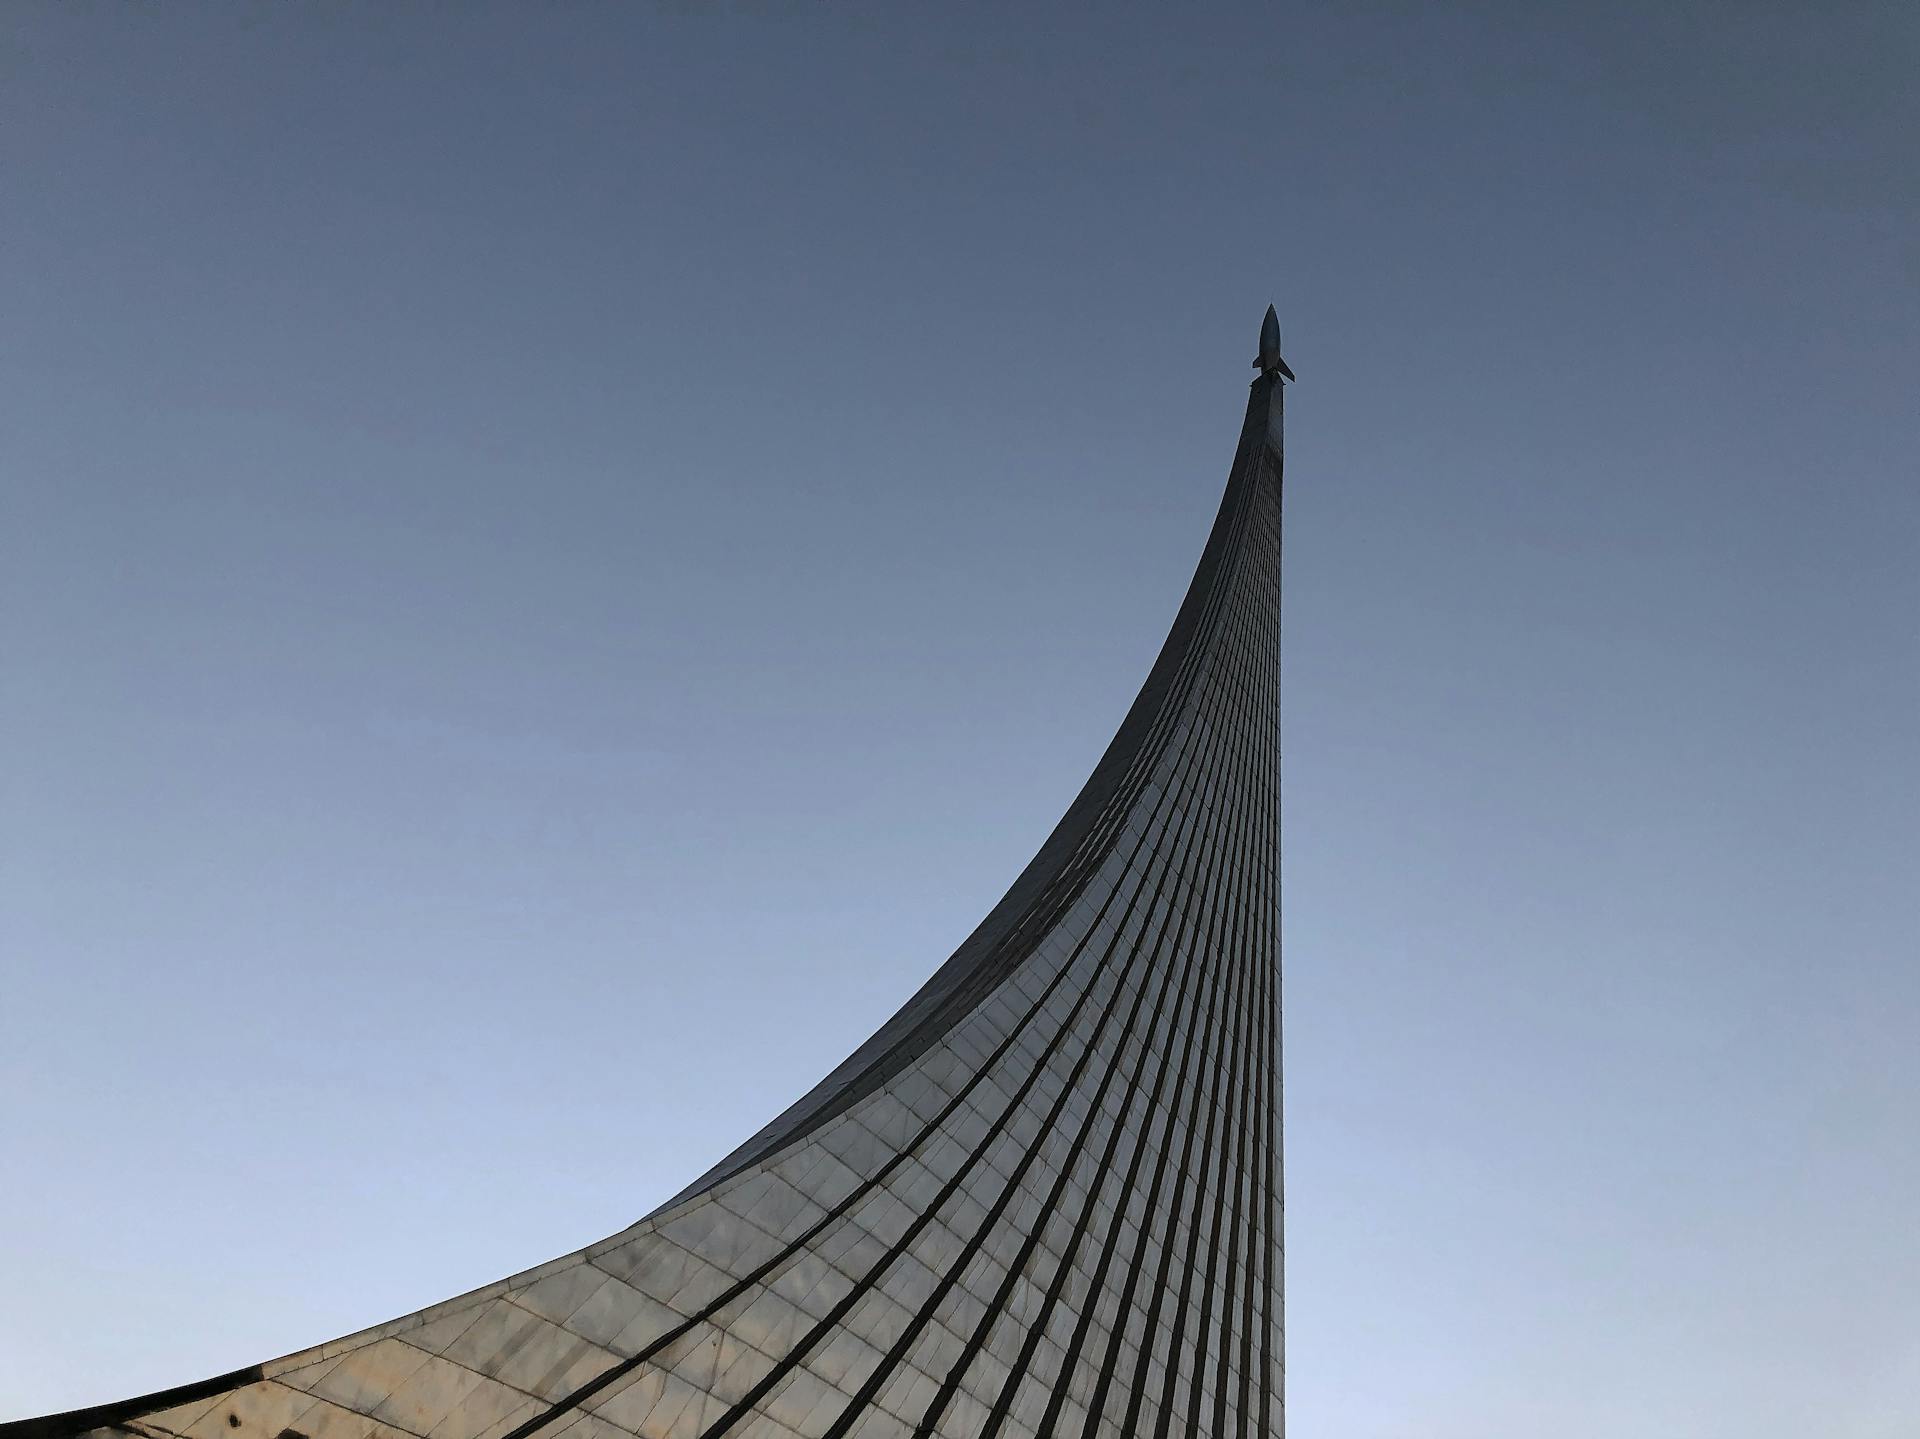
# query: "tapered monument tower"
{"points": [[1043, 1200]]}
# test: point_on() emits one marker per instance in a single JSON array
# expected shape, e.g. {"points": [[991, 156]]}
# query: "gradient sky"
{"points": [[555, 559]]}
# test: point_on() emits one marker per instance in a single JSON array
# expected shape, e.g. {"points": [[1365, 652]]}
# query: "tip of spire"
{"points": [[1269, 362]]}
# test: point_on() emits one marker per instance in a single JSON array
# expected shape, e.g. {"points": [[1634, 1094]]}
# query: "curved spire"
{"points": [[1044, 1199]]}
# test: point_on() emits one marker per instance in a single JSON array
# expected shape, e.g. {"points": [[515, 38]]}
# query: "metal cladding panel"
{"points": [[1043, 1200]]}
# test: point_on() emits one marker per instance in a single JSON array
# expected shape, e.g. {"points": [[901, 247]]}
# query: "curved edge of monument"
{"points": [[101, 1416], [1004, 938], [1008, 936]]}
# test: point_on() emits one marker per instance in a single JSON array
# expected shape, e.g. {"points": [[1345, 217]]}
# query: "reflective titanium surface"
{"points": [[1044, 1199]]}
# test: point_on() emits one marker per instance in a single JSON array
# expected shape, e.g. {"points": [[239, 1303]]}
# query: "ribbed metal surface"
{"points": [[1044, 1199]]}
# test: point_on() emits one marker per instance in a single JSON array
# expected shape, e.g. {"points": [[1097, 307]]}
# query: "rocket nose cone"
{"points": [[1269, 340]]}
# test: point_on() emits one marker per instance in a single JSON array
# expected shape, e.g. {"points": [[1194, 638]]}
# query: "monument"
{"points": [[1044, 1199]]}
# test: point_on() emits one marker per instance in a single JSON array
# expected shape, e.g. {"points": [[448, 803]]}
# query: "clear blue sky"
{"points": [[556, 558]]}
